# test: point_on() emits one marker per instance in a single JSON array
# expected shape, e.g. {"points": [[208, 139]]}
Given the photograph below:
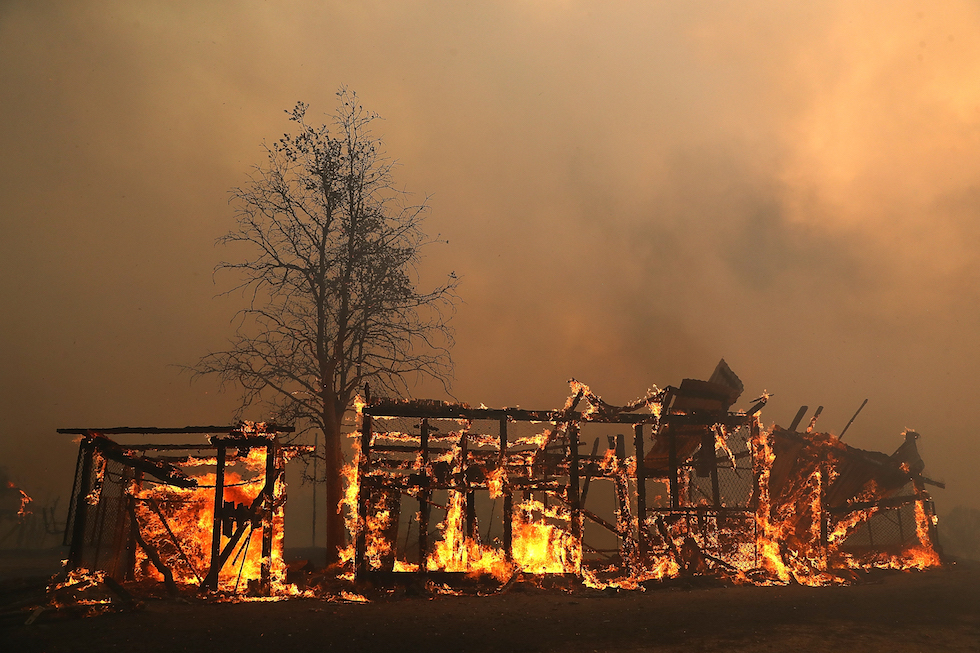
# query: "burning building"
{"points": [[206, 514], [684, 486], [696, 489]]}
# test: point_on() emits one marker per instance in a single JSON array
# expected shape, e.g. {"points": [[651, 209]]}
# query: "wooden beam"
{"points": [[155, 430]]}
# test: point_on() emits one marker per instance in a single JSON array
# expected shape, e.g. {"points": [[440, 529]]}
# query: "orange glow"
{"points": [[178, 524]]}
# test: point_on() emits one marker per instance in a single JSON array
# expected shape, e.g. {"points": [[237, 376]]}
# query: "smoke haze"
{"points": [[630, 192]]}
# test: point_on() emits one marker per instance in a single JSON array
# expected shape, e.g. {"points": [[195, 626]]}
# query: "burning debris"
{"points": [[77, 593], [15, 507], [26, 523], [455, 496], [706, 491]]}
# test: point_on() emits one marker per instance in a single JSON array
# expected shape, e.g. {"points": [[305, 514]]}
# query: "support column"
{"points": [[708, 458], [130, 562], [86, 452], [425, 496], [824, 514], [641, 493], [672, 463], [211, 582], [363, 469], [469, 496], [508, 516], [624, 520], [269, 507], [573, 484]]}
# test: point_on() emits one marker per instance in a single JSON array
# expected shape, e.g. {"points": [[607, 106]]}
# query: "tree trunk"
{"points": [[333, 463]]}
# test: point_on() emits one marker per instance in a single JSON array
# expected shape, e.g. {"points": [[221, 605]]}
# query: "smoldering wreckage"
{"points": [[457, 499]]}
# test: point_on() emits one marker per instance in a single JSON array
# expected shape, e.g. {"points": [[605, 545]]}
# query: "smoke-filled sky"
{"points": [[630, 191]]}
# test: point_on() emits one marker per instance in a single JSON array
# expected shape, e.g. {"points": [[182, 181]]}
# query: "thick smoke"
{"points": [[629, 193]]}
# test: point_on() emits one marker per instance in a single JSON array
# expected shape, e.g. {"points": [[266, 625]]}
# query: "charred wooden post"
{"points": [[710, 461], [469, 496], [100, 512], [363, 469], [824, 514], [273, 467], [851, 421], [624, 519], [755, 450], [924, 503], [641, 494], [151, 553], [100, 517], [425, 495], [675, 500], [508, 516], [471, 525], [587, 481], [573, 484], [131, 542], [211, 581], [800, 414], [86, 454]]}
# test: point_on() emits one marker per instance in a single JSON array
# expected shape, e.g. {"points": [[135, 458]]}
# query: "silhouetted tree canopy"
{"points": [[329, 268]]}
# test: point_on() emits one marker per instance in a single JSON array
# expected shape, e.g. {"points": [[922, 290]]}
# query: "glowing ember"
{"points": [[25, 501]]}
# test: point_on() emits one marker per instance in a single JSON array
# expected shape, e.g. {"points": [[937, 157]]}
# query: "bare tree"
{"points": [[331, 277]]}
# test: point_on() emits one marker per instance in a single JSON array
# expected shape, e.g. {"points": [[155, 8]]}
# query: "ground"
{"points": [[936, 610]]}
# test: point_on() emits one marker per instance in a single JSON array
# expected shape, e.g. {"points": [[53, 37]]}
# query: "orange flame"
{"points": [[178, 523]]}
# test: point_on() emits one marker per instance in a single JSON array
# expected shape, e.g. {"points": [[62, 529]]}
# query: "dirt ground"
{"points": [[915, 611]]}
